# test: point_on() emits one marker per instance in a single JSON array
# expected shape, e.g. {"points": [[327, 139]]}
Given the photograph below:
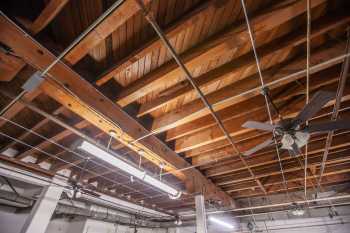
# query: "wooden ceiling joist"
{"points": [[234, 127], [274, 169], [51, 10], [276, 48], [34, 128], [230, 40], [10, 65], [178, 27], [233, 95], [56, 138], [114, 20], [268, 158], [290, 177], [251, 105], [293, 186], [100, 111]]}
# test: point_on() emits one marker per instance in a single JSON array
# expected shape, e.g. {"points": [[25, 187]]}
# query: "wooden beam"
{"points": [[155, 43], [232, 94], [234, 70], [253, 104], [114, 20], [293, 186], [51, 10], [234, 126], [91, 105], [288, 166], [227, 152], [64, 133], [269, 158], [277, 180], [17, 107], [10, 65], [230, 40], [34, 128], [26, 166]]}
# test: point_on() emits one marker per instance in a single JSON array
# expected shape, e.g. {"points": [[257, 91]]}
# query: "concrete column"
{"points": [[40, 216], [201, 217]]}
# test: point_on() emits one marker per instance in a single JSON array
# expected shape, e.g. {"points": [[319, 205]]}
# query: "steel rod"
{"points": [[189, 77], [308, 54], [263, 88], [288, 203], [339, 94]]}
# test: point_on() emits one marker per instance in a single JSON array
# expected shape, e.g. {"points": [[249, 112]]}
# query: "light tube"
{"points": [[220, 222], [103, 155], [159, 184], [128, 168]]}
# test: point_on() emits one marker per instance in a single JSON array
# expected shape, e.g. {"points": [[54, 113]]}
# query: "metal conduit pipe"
{"points": [[110, 216], [107, 216], [332, 198], [11, 199]]}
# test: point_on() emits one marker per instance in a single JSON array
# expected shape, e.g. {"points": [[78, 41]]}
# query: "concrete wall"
{"points": [[10, 221], [93, 226]]}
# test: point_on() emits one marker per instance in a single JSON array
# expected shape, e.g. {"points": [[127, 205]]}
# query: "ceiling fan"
{"points": [[292, 131]]}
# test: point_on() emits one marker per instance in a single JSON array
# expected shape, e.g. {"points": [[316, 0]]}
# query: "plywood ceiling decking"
{"points": [[129, 64]]}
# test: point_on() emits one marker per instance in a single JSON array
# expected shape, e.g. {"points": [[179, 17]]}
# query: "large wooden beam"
{"points": [[114, 20], [230, 40], [181, 25], [232, 94], [10, 65], [234, 70], [94, 107]]}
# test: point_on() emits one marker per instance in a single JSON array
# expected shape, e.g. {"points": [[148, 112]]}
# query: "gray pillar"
{"points": [[40, 216], [201, 217]]}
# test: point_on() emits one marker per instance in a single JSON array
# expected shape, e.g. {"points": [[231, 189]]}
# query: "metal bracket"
{"points": [[33, 82]]}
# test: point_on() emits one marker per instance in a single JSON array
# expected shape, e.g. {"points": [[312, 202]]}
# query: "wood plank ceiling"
{"points": [[123, 61]]}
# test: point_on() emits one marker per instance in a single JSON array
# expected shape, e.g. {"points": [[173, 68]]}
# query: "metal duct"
{"points": [[105, 215]]}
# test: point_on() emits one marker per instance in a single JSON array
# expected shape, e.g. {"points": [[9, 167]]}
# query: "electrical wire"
{"points": [[52, 182], [62, 160], [77, 154]]}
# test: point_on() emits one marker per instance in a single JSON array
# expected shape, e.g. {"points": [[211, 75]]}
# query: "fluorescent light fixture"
{"points": [[220, 222], [128, 168]]}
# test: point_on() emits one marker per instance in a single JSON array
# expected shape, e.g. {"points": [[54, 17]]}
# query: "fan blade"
{"points": [[258, 125], [258, 147], [296, 151], [314, 106], [329, 126]]}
